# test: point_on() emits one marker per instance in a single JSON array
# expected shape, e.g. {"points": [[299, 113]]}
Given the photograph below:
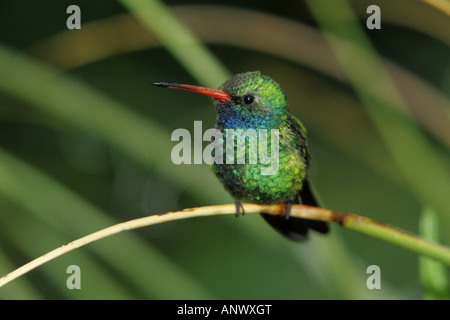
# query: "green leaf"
{"points": [[433, 274]]}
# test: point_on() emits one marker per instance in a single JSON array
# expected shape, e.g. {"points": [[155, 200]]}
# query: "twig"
{"points": [[347, 220]]}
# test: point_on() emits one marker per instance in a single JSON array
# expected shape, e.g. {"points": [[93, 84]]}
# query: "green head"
{"points": [[254, 94]]}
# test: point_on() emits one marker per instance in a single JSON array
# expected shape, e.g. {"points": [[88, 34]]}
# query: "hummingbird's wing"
{"points": [[301, 143], [296, 228], [307, 197]]}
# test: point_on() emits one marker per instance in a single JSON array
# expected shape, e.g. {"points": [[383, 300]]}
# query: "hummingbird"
{"points": [[251, 100]]}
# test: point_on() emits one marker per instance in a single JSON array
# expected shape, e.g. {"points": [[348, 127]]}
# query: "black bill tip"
{"points": [[162, 84]]}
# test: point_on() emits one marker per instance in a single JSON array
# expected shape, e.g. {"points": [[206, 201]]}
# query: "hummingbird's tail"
{"points": [[296, 228]]}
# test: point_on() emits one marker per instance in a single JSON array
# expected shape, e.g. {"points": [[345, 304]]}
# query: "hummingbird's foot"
{"points": [[287, 210], [239, 208]]}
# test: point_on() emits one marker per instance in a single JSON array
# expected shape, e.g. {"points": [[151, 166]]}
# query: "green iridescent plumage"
{"points": [[252, 101], [268, 109]]}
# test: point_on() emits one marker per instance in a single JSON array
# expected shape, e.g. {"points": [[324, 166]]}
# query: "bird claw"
{"points": [[287, 211], [239, 208]]}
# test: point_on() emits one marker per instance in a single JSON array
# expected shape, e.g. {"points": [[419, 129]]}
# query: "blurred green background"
{"points": [[85, 143]]}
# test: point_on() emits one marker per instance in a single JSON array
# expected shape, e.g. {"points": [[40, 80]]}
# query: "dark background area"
{"points": [[60, 180]]}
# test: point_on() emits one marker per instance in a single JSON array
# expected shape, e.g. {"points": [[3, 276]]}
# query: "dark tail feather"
{"points": [[296, 228]]}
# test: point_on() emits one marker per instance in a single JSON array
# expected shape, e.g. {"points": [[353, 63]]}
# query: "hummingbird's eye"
{"points": [[248, 99]]}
